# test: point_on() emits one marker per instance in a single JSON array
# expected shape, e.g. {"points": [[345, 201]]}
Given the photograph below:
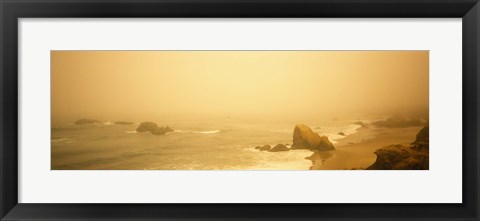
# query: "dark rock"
{"points": [[147, 126], [278, 148], [263, 148], [305, 138], [399, 122], [341, 133], [87, 121], [153, 128], [422, 138], [399, 157]]}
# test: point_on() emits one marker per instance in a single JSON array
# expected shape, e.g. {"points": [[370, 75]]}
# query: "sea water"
{"points": [[220, 144]]}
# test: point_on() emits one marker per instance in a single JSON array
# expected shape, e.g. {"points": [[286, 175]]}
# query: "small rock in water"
{"points": [[341, 133], [86, 121], [263, 148], [278, 148], [153, 128]]}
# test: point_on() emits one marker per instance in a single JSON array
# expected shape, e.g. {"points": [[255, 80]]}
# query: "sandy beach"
{"points": [[357, 150]]}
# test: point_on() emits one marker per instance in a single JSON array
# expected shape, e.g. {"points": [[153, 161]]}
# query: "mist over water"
{"points": [[216, 144], [221, 104]]}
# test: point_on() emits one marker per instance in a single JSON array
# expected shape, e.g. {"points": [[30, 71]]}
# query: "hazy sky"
{"points": [[136, 85]]}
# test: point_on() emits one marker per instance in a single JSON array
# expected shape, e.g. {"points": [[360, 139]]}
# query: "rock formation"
{"points": [[341, 133], [263, 148], [87, 121], [422, 139], [153, 128], [399, 122], [400, 157], [278, 148], [305, 138]]}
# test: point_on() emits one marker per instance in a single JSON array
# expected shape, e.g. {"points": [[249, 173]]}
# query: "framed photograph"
{"points": [[239, 110]]}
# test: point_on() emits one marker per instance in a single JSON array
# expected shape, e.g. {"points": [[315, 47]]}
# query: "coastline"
{"points": [[353, 151], [356, 151]]}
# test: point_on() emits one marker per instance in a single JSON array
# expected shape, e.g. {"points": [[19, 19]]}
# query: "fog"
{"points": [[146, 85]]}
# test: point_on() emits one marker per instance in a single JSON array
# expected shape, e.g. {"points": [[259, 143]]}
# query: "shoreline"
{"points": [[356, 151], [353, 151]]}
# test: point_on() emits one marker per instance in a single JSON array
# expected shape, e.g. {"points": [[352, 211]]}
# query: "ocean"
{"points": [[208, 144]]}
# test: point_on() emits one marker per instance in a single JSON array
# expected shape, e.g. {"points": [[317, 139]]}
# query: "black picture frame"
{"points": [[12, 10]]}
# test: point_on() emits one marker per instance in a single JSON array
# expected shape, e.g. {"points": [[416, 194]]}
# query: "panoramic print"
{"points": [[239, 110]]}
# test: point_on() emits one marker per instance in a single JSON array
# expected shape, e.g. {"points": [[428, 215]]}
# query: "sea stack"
{"points": [[305, 138], [153, 128]]}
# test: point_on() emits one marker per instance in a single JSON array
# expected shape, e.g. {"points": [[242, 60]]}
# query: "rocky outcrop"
{"points": [[422, 139], [87, 121], [400, 157], [263, 148], [278, 148], [153, 128], [305, 138], [399, 122]]}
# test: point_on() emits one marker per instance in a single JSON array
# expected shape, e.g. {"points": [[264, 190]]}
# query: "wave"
{"points": [[183, 132], [332, 132], [197, 132], [131, 132], [61, 140], [108, 123], [207, 132]]}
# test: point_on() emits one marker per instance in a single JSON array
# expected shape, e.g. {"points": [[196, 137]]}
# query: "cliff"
{"points": [[400, 157]]}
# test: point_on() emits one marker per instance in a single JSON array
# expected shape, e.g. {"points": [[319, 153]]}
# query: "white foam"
{"points": [[197, 132], [207, 132], [332, 132], [61, 140]]}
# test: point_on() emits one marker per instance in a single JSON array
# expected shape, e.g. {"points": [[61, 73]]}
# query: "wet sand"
{"points": [[357, 150]]}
